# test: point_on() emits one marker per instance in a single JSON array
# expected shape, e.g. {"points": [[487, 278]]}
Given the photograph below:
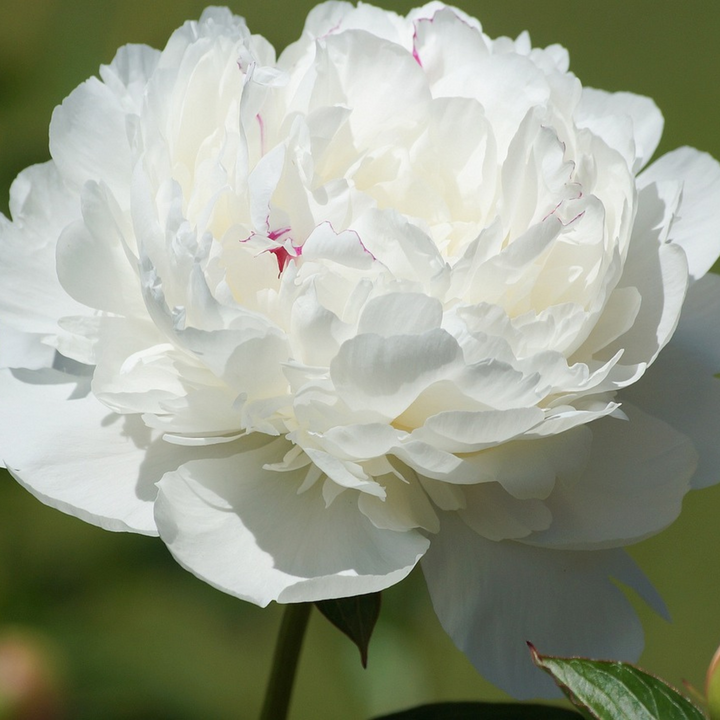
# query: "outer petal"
{"points": [[659, 271], [636, 477], [332, 17], [681, 386], [696, 225], [72, 453], [631, 124], [23, 350], [88, 138], [128, 73], [493, 597], [389, 95], [246, 531], [92, 263], [41, 205]]}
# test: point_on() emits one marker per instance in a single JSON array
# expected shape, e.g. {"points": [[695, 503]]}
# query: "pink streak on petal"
{"points": [[331, 31], [552, 212], [355, 233], [282, 256], [275, 234], [415, 50], [258, 117]]}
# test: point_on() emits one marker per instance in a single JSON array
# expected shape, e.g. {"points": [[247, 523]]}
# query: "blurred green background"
{"points": [[128, 633]]}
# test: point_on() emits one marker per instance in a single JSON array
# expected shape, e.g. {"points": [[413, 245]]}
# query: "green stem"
{"points": [[285, 660]]}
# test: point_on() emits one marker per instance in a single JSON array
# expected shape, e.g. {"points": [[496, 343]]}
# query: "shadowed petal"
{"points": [[246, 531], [493, 597]]}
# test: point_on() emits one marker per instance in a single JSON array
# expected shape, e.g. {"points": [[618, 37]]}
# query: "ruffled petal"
{"points": [[658, 270], [682, 387], [24, 350], [696, 224], [632, 487], [631, 124], [494, 597], [41, 206], [247, 531], [93, 264], [387, 374], [89, 139], [74, 454]]}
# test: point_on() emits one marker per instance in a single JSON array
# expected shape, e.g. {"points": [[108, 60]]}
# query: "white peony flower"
{"points": [[394, 295]]}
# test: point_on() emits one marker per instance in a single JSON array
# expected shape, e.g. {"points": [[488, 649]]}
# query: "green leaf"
{"points": [[605, 690], [355, 616], [483, 711]]}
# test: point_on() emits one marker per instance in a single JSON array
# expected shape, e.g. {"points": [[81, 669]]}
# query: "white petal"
{"points": [[41, 205], [362, 441], [324, 18], [400, 314], [23, 350], [444, 495], [248, 360], [387, 374], [616, 319], [88, 139], [461, 432], [498, 385], [316, 331], [345, 473], [681, 387], [334, 17], [205, 413], [633, 485], [529, 468], [388, 96], [496, 515], [493, 597], [443, 42], [658, 270], [246, 531], [128, 73], [345, 248], [136, 368], [404, 249], [431, 462], [696, 228], [631, 124], [405, 507], [74, 454], [262, 183], [92, 263]]}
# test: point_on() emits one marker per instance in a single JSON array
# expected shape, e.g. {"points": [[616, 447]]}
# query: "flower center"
{"points": [[282, 254]]}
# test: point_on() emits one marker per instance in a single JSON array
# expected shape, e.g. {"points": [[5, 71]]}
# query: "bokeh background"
{"points": [[123, 632]]}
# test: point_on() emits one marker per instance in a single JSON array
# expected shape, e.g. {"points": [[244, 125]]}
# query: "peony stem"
{"points": [[285, 661]]}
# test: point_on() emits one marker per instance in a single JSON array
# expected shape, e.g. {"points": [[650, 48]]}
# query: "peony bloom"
{"points": [[396, 295]]}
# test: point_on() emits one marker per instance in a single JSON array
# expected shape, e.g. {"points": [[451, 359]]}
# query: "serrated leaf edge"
{"points": [[538, 659]]}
